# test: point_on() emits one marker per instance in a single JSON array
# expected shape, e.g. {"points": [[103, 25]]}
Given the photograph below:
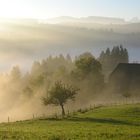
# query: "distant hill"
{"points": [[28, 39], [135, 20], [90, 19]]}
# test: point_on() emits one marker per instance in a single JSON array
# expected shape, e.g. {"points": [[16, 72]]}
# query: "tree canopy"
{"points": [[59, 95], [89, 71]]}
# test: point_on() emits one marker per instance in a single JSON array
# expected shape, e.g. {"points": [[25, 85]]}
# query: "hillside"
{"points": [[26, 40], [90, 19], [104, 123]]}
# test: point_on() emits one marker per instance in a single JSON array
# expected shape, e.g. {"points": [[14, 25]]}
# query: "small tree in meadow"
{"points": [[59, 95]]}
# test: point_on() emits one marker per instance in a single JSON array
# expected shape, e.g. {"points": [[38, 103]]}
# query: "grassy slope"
{"points": [[106, 123]]}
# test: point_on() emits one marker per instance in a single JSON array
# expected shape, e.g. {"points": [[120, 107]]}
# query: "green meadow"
{"points": [[103, 123]]}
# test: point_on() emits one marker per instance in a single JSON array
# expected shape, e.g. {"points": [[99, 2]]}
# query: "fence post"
{"points": [[33, 116], [8, 119]]}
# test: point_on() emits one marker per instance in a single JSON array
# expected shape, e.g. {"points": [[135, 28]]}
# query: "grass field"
{"points": [[105, 123]]}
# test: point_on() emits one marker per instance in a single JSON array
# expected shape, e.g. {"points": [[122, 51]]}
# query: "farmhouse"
{"points": [[125, 78]]}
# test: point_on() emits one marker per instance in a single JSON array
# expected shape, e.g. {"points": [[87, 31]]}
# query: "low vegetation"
{"points": [[103, 123]]}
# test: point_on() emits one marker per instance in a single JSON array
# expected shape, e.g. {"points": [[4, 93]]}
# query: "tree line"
{"points": [[58, 79]]}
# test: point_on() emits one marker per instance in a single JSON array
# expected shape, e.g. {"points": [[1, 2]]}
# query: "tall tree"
{"points": [[86, 63], [89, 71], [15, 74], [111, 58]]}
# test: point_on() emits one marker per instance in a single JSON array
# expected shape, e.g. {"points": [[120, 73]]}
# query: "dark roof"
{"points": [[127, 68]]}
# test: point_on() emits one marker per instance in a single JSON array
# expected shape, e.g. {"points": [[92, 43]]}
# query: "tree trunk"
{"points": [[63, 110]]}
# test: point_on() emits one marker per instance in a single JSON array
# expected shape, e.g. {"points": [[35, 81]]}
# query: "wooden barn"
{"points": [[125, 77]]}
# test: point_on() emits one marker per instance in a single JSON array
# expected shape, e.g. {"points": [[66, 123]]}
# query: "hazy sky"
{"points": [[51, 8]]}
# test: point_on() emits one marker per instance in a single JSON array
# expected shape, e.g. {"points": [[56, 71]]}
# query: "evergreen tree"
{"points": [[110, 59]]}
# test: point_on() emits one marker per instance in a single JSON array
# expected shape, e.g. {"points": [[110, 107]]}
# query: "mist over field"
{"points": [[69, 69], [25, 41]]}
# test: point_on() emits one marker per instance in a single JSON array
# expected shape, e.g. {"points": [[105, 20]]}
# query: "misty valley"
{"points": [[69, 78]]}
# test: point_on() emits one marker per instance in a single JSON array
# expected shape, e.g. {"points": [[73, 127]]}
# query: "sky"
{"points": [[77, 8]]}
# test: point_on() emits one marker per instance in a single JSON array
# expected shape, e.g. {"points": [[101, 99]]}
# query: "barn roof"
{"points": [[127, 68]]}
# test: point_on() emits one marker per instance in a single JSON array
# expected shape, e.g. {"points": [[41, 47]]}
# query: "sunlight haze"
{"points": [[69, 69], [77, 8]]}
